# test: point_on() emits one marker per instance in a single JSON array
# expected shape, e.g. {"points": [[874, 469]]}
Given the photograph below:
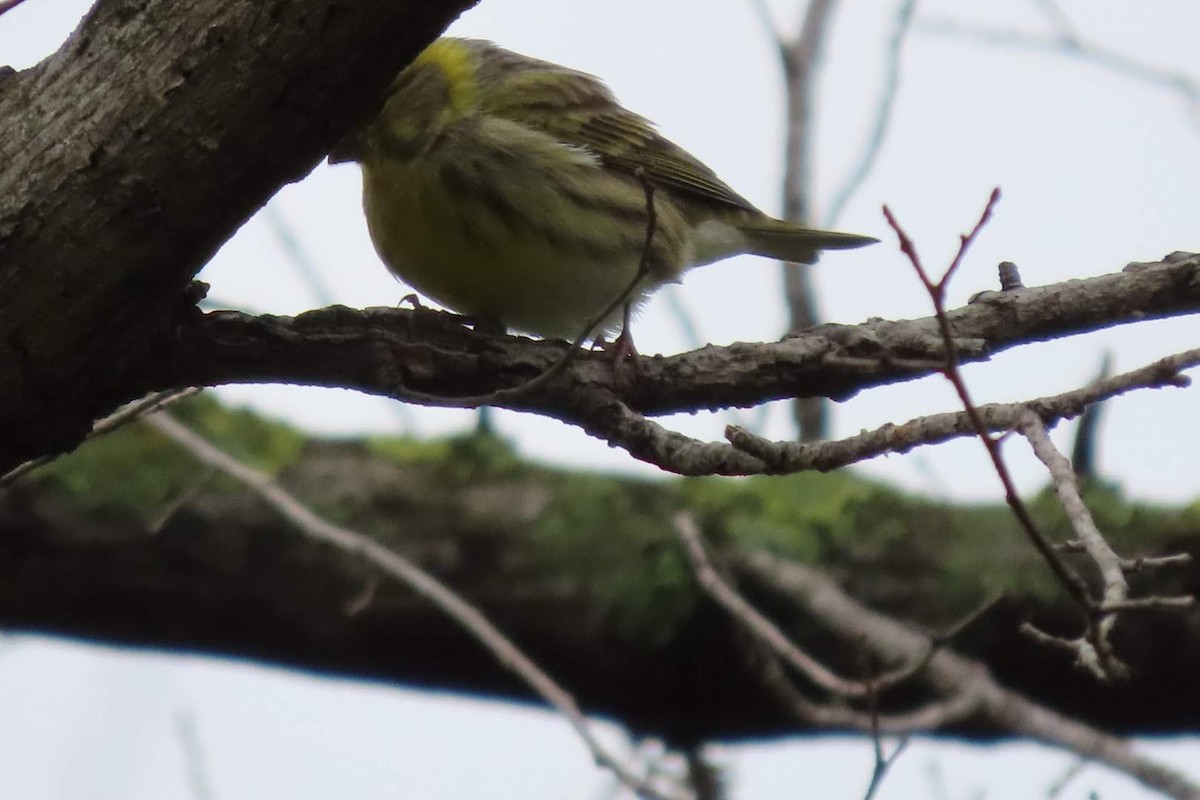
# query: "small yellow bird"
{"points": [[513, 190]]}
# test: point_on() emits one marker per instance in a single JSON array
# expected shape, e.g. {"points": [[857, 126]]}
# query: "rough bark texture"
{"points": [[427, 357], [133, 152], [581, 570]]}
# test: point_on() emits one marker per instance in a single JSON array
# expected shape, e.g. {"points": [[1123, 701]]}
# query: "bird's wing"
{"points": [[579, 110]]}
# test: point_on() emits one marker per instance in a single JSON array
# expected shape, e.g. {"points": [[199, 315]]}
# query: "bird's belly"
{"points": [[518, 255]]}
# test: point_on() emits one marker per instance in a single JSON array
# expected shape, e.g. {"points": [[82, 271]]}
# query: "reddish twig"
{"points": [[1093, 650], [937, 294]]}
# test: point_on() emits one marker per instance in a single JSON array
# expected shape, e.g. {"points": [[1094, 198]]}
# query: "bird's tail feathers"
{"points": [[787, 242]]}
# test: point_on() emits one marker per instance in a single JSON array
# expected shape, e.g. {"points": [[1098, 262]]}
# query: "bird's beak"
{"points": [[350, 148]]}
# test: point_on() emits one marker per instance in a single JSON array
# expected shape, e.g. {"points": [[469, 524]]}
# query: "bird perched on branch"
{"points": [[519, 192]]}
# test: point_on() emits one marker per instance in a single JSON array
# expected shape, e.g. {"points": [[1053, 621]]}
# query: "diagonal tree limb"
{"points": [[133, 152]]}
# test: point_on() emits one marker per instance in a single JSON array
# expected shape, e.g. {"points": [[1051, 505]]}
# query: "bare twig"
{"points": [[1056, 789], [883, 116], [322, 293], [463, 613], [780, 649], [1184, 602], [159, 521], [937, 294], [1058, 18], [883, 763], [1093, 650], [748, 454], [967, 683], [648, 441], [931, 716], [1138, 564], [765, 630], [688, 329], [1115, 588], [122, 416], [193, 756], [789, 457], [305, 266], [9, 5], [1068, 44], [769, 26]]}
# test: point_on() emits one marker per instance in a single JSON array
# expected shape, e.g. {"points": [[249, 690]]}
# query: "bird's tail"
{"points": [[787, 242]]}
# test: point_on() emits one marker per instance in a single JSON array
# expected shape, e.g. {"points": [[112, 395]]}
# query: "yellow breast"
{"points": [[500, 222]]}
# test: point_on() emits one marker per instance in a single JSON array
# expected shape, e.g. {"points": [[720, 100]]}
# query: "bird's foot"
{"points": [[626, 362]]}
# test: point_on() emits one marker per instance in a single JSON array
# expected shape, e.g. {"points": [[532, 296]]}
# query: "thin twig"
{"points": [[778, 642], [1180, 83], [309, 271], [932, 716], [1132, 565], [1058, 18], [155, 524], [765, 630], [749, 454], [1056, 789], [1066, 485], [883, 116], [1184, 602], [1094, 649], [9, 5], [122, 416], [193, 756], [972, 689], [785, 457], [305, 266], [937, 294], [883, 764], [1115, 588], [769, 26], [463, 613], [688, 329]]}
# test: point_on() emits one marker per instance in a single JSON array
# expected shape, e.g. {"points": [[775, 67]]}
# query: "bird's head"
{"points": [[439, 88]]}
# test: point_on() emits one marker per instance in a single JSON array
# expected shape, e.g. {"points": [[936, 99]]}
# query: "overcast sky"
{"points": [[1097, 168]]}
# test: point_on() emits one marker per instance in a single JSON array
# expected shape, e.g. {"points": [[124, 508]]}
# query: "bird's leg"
{"points": [[622, 347], [622, 353]]}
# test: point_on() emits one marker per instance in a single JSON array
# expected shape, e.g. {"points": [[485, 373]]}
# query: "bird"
{"points": [[522, 194]]}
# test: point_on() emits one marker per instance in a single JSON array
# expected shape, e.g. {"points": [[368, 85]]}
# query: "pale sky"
{"points": [[1097, 170]]}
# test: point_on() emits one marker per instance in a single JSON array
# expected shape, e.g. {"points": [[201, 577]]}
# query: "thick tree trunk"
{"points": [[132, 153]]}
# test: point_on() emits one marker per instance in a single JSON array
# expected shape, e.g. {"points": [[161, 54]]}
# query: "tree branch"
{"points": [[427, 357]]}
